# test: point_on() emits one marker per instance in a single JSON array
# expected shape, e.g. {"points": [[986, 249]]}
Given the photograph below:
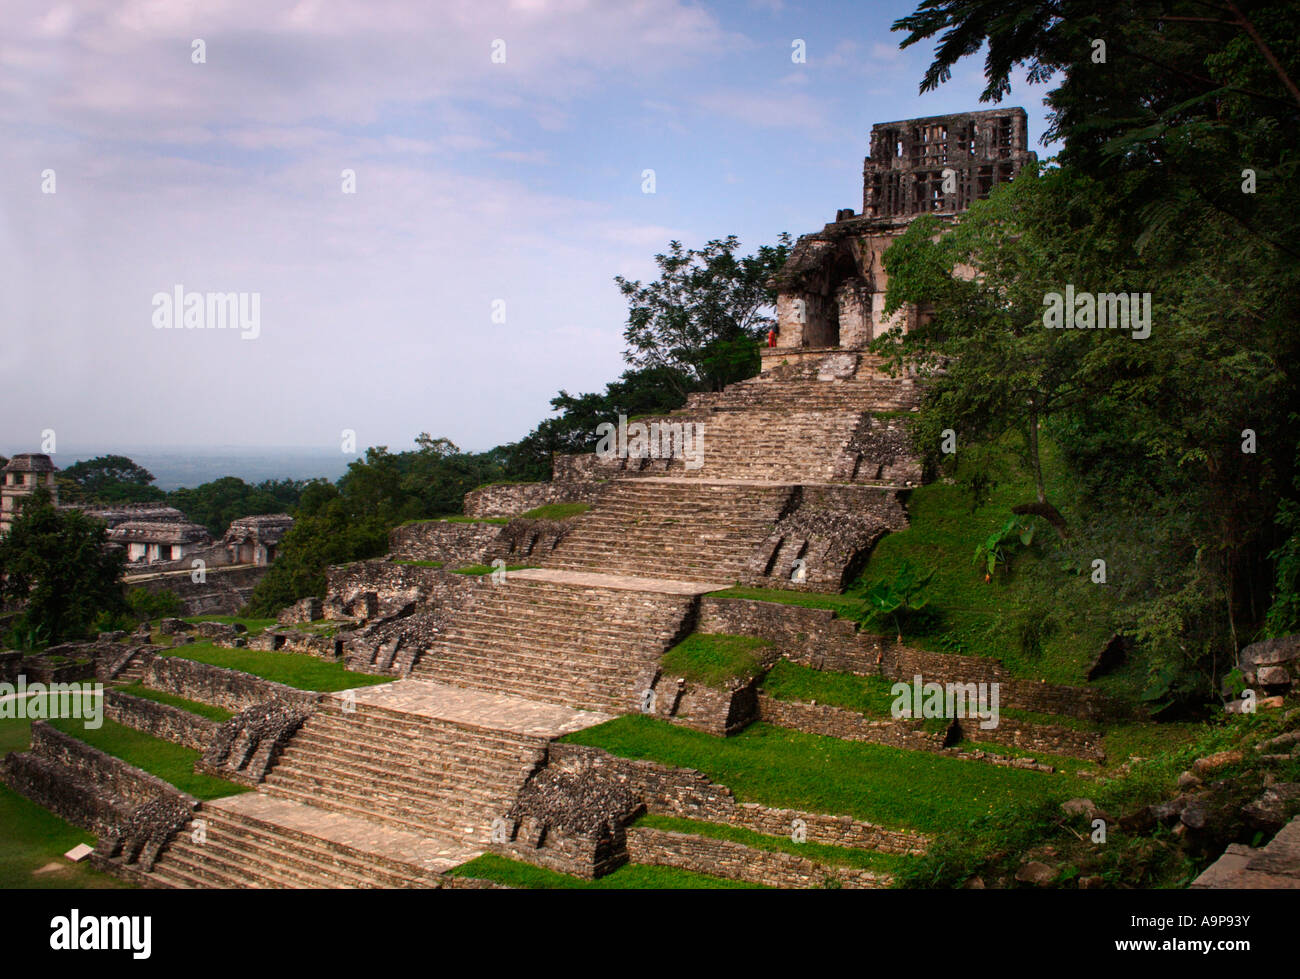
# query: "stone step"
{"points": [[317, 853]]}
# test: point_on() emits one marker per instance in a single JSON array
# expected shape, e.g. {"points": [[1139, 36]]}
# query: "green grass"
{"points": [[791, 769], [172, 763], [556, 511], [843, 605], [865, 694], [300, 670], [1136, 739], [34, 839], [482, 569], [193, 706], [252, 625], [34, 843], [514, 873], [421, 564], [840, 856], [716, 659], [999, 619]]}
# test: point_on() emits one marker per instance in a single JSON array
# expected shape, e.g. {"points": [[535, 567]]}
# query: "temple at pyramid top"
{"points": [[831, 291]]}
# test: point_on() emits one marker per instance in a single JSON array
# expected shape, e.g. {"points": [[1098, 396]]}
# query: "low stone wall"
{"points": [[709, 709], [527, 541], [723, 858], [82, 784], [691, 794], [818, 639], [216, 685], [11, 666], [395, 586], [1052, 739], [512, 499], [448, 541], [161, 720], [836, 722], [224, 591]]}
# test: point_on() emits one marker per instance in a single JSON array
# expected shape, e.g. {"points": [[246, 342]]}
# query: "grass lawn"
{"points": [[300, 670], [482, 569], [632, 876], [33, 840], [842, 856], [715, 659], [252, 625], [844, 605], [865, 694], [868, 695], [193, 706], [791, 769], [556, 511], [421, 564], [170, 762]]}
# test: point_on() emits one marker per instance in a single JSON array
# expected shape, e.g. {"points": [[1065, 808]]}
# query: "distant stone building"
{"points": [[155, 540], [256, 540], [831, 292], [22, 476]]}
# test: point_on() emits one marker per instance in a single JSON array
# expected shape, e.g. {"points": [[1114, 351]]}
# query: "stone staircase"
{"points": [[672, 528], [840, 382], [587, 641], [405, 771], [791, 445], [256, 841], [385, 786]]}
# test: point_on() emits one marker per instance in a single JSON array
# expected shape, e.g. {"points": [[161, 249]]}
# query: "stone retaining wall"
{"points": [[693, 795], [395, 586], [819, 639], [80, 783], [448, 541], [161, 720], [224, 591], [837, 722], [512, 499], [723, 858], [216, 685]]}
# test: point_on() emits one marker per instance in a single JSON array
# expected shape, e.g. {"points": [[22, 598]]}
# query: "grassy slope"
{"points": [[513, 873], [556, 511], [193, 706], [34, 840], [783, 768], [172, 763], [715, 659], [985, 619], [300, 670], [821, 852]]}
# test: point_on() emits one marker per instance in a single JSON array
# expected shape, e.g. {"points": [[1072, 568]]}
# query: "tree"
{"points": [[705, 314], [217, 502], [56, 565], [992, 365], [109, 479]]}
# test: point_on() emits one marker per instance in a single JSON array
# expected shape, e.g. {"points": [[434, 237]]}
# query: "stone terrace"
{"points": [[587, 640], [384, 786], [673, 528]]}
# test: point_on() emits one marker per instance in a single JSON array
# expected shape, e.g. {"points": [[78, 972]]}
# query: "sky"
{"points": [[498, 153]]}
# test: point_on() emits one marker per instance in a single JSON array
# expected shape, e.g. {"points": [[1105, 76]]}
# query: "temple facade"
{"points": [[831, 292]]}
